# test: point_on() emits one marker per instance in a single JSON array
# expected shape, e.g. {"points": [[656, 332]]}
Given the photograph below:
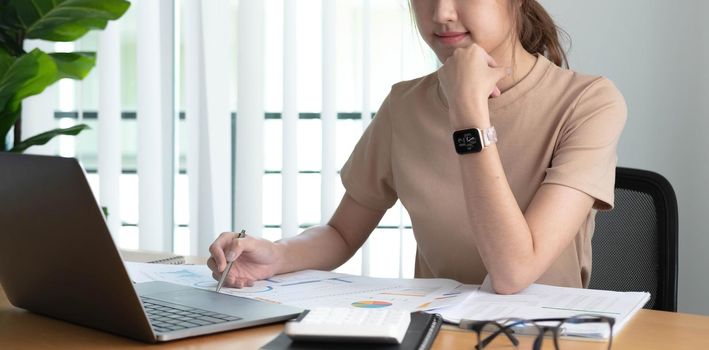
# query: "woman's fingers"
{"points": [[490, 60], [482, 70], [241, 283], [216, 249], [254, 259], [227, 247], [236, 247], [233, 281], [212, 264], [502, 72], [495, 92]]}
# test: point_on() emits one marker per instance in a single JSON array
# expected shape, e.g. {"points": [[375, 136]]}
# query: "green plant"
{"points": [[23, 74]]}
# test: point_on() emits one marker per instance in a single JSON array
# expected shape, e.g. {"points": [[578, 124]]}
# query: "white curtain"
{"points": [[328, 115], [156, 123], [366, 107], [289, 207], [206, 94], [185, 52], [39, 109], [108, 64], [249, 168]]}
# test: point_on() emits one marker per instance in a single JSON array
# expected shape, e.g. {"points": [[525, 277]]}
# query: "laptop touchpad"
{"points": [[211, 301]]}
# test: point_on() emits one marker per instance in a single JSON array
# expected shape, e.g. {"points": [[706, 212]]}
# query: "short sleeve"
{"points": [[367, 174], [586, 153]]}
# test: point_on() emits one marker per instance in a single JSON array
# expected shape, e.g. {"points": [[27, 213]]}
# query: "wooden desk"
{"points": [[20, 329]]}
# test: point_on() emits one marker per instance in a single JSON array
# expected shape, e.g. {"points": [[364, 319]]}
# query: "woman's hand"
{"points": [[468, 78], [256, 259]]}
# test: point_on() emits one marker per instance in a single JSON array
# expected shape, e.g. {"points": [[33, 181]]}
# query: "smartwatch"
{"points": [[473, 140]]}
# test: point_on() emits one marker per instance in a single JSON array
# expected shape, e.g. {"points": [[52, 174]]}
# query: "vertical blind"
{"points": [[217, 101], [328, 116], [156, 127], [249, 122], [39, 107], [366, 108], [109, 109], [206, 95], [289, 204]]}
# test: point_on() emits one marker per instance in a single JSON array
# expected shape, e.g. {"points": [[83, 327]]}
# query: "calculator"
{"points": [[342, 324]]}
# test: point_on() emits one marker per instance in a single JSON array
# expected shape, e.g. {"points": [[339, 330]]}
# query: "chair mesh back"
{"points": [[625, 246]]}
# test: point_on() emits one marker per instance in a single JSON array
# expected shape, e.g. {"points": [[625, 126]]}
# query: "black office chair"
{"points": [[635, 244]]}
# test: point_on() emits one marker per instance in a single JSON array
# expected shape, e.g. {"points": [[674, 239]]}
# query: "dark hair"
{"points": [[537, 31]]}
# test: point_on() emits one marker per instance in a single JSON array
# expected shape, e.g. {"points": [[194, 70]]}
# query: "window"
{"points": [[396, 53]]}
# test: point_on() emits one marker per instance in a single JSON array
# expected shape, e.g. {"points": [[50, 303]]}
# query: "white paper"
{"points": [[543, 301], [188, 275], [311, 288]]}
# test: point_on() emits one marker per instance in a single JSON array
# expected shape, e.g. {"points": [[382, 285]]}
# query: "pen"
{"points": [[241, 234]]}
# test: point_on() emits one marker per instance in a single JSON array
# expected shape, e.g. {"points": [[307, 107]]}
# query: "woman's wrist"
{"points": [[279, 252]]}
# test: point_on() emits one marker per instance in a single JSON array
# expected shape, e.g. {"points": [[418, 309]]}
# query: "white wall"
{"points": [[657, 52]]}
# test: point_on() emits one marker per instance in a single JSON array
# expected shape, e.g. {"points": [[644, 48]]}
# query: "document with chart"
{"points": [[544, 301], [311, 288]]}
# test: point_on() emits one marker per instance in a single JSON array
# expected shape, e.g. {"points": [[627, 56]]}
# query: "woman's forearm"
{"points": [[518, 247], [319, 247]]}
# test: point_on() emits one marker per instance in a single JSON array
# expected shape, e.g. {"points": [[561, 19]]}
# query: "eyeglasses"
{"points": [[599, 326]]}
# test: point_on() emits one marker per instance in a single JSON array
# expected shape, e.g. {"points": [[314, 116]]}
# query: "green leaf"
{"points": [[73, 65], [45, 75], [5, 61], [28, 75], [45, 137], [7, 120], [62, 20], [10, 38]]}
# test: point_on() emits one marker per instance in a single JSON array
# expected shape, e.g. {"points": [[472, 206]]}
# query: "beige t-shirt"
{"points": [[554, 127]]}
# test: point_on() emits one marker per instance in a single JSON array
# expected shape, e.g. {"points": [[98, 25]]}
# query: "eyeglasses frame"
{"points": [[505, 326]]}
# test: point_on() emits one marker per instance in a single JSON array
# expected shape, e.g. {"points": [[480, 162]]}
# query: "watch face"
{"points": [[467, 141]]}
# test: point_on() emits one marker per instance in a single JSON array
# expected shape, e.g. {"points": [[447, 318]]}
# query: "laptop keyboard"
{"points": [[166, 317]]}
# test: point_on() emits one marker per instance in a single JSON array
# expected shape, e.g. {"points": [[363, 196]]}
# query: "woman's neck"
{"points": [[522, 65]]}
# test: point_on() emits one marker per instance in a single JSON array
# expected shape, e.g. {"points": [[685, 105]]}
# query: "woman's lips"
{"points": [[451, 38]]}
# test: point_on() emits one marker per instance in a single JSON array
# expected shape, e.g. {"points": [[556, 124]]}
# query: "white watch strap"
{"points": [[489, 136]]}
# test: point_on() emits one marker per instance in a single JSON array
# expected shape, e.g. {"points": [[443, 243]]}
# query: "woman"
{"points": [[520, 208]]}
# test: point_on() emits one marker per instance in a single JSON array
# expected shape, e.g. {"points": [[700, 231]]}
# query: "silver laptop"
{"points": [[57, 258]]}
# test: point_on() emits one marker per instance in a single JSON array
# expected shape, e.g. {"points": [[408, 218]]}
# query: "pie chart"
{"points": [[371, 304]]}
